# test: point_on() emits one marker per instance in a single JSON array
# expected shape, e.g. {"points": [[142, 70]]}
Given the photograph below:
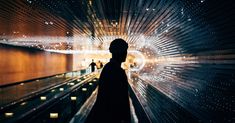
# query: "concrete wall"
{"points": [[18, 64]]}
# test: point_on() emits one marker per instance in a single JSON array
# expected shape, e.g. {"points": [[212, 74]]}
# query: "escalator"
{"points": [[73, 100], [148, 105], [57, 104], [12, 93]]}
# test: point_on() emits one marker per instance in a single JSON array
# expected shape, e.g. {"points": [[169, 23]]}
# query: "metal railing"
{"points": [[69, 75]]}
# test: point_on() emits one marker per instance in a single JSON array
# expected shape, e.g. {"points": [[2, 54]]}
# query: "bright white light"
{"points": [[9, 114], [84, 89], [54, 115], [73, 98], [61, 89], [43, 98], [23, 103], [71, 83]]}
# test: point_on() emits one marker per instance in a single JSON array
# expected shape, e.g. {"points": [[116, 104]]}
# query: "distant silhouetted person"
{"points": [[101, 65], [112, 103], [92, 65]]}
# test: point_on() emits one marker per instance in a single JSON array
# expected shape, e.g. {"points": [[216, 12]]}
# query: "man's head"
{"points": [[118, 48]]}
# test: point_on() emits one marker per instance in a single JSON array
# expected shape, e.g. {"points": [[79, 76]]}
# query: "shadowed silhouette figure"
{"points": [[112, 103], [93, 64]]}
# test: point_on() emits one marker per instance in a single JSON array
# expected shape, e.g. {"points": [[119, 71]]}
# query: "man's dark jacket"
{"points": [[112, 104]]}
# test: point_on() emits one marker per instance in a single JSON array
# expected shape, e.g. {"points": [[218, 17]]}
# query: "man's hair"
{"points": [[118, 46]]}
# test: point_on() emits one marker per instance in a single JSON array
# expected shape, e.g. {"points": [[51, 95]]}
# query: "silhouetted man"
{"points": [[93, 64], [100, 64], [112, 104]]}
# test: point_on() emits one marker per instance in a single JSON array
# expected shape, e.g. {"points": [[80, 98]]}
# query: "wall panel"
{"points": [[18, 64]]}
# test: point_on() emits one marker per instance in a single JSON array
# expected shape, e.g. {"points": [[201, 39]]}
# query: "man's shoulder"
{"points": [[110, 68]]}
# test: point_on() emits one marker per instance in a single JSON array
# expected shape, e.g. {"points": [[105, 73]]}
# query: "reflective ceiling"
{"points": [[171, 26]]}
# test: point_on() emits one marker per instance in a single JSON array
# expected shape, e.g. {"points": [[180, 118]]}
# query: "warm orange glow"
{"points": [[18, 64]]}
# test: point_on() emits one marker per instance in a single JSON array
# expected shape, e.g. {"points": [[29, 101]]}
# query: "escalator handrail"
{"points": [[85, 110], [142, 115], [35, 93], [30, 80]]}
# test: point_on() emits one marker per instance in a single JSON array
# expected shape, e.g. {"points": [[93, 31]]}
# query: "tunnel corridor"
{"points": [[181, 53]]}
